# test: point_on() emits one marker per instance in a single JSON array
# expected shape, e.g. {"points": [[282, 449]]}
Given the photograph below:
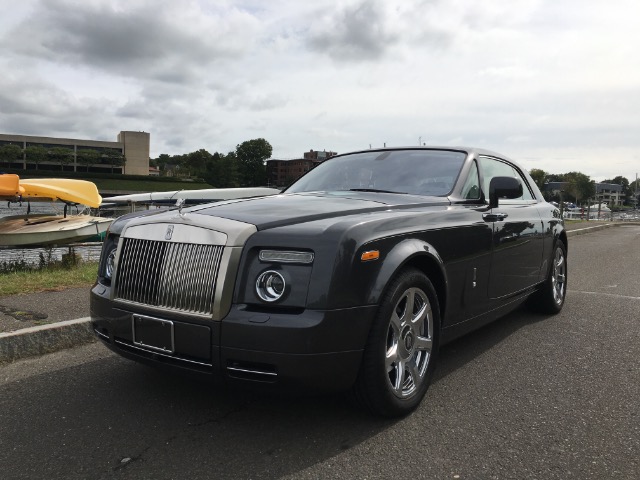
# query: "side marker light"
{"points": [[370, 255]]}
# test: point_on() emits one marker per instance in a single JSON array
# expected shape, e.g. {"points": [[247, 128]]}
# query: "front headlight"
{"points": [[109, 263], [107, 259], [275, 277]]}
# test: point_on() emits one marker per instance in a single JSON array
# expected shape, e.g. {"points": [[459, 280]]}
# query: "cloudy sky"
{"points": [[553, 84]]}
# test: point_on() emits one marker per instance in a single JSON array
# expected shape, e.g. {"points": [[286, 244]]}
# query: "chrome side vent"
{"points": [[176, 276]]}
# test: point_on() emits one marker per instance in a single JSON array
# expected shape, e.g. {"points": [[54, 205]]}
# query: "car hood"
{"points": [[289, 209]]}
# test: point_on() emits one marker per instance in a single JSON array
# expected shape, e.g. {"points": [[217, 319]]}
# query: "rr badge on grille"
{"points": [[169, 234]]}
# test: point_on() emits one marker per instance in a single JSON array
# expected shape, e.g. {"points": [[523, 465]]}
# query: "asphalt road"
{"points": [[528, 397]]}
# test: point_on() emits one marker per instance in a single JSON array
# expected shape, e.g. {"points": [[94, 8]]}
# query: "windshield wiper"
{"points": [[374, 190]]}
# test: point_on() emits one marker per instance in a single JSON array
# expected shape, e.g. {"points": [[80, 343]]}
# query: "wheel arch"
{"points": [[421, 256], [563, 237], [434, 271]]}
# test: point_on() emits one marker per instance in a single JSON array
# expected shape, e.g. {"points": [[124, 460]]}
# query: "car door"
{"points": [[518, 235]]}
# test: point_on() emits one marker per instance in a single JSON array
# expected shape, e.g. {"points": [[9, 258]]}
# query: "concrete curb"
{"points": [[595, 228], [29, 342], [582, 231]]}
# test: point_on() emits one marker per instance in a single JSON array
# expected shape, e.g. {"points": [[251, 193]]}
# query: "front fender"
{"points": [[409, 252], [352, 282]]}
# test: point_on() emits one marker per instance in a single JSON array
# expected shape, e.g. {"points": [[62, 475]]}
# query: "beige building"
{"points": [[133, 145]]}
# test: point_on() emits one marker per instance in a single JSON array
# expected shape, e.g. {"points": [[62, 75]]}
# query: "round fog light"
{"points": [[270, 286]]}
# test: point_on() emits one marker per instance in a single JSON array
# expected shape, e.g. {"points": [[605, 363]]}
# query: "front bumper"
{"points": [[309, 349]]}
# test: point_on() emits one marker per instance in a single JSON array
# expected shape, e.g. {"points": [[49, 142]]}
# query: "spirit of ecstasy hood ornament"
{"points": [[180, 204]]}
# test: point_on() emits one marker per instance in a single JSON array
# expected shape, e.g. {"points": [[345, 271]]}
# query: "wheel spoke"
{"points": [[400, 375], [421, 314], [391, 357], [415, 374], [423, 344], [396, 321], [407, 315]]}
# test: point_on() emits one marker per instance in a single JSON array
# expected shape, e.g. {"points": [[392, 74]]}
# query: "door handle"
{"points": [[494, 217]]}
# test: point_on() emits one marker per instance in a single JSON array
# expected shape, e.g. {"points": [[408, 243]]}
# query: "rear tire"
{"points": [[402, 348], [551, 296]]}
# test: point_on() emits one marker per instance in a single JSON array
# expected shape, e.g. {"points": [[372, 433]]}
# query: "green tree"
{"points": [[87, 157], [10, 153], [222, 171], [161, 161], [555, 177], [539, 176], [230, 171], [61, 155], [177, 163], [36, 154], [196, 161], [251, 156], [213, 171], [580, 186], [114, 158]]}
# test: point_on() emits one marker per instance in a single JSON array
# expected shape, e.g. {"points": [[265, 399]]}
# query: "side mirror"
{"points": [[503, 187]]}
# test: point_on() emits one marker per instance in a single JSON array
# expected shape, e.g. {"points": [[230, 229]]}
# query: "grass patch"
{"points": [[54, 278]]}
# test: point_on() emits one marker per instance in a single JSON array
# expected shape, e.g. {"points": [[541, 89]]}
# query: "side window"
{"points": [[471, 189], [492, 167]]}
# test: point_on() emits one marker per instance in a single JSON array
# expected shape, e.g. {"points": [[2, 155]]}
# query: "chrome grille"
{"points": [[177, 276]]}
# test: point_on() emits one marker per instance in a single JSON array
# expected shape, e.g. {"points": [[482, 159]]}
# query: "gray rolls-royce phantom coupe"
{"points": [[349, 279]]}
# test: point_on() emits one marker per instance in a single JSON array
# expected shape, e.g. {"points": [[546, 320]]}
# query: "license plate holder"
{"points": [[153, 333]]}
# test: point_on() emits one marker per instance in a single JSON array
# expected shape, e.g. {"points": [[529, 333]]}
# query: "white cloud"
{"points": [[554, 84]]}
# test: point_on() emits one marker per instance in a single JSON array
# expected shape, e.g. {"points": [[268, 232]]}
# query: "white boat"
{"points": [[594, 212], [190, 196], [36, 230]]}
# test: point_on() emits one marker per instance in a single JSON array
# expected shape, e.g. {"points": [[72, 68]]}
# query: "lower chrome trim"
{"points": [[252, 372], [154, 352], [101, 335]]}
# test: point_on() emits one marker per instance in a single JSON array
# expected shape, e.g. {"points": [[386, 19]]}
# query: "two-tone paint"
{"points": [[482, 261]]}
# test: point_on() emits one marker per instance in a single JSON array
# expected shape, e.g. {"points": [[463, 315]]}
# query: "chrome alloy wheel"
{"points": [[409, 342], [558, 276]]}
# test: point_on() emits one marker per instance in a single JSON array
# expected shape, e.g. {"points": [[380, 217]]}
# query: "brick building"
{"points": [[281, 173]]}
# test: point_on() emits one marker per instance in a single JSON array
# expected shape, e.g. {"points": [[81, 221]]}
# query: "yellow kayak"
{"points": [[10, 186], [65, 189]]}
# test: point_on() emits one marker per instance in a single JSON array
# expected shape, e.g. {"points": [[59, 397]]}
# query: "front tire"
{"points": [[551, 296], [400, 355]]}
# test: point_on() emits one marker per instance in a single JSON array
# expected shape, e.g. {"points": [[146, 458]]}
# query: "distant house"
{"points": [[171, 170], [609, 193]]}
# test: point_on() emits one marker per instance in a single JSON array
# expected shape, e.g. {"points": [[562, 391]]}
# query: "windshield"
{"points": [[417, 172]]}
